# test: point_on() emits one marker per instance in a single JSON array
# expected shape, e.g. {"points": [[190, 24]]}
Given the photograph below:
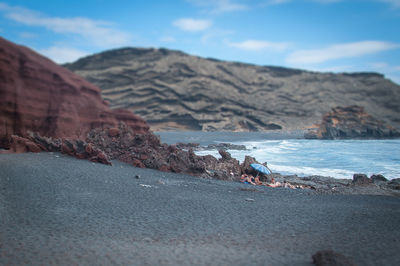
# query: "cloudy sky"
{"points": [[321, 35]]}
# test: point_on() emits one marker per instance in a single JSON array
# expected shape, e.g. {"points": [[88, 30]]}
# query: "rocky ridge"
{"points": [[174, 90]]}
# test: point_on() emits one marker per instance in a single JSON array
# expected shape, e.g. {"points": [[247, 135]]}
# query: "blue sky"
{"points": [[320, 35]]}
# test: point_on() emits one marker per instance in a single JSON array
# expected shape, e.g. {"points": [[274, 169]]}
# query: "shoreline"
{"points": [[63, 210]]}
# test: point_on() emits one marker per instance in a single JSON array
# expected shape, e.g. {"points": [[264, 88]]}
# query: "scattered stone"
{"points": [[361, 179], [331, 258], [159, 181], [137, 176]]}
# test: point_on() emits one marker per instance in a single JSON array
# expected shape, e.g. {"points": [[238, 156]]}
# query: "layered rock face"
{"points": [[351, 122], [40, 96], [173, 90]]}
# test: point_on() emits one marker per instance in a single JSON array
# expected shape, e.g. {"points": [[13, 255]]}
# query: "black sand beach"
{"points": [[59, 210]]}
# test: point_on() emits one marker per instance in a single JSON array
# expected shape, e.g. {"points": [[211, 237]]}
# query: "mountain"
{"points": [[174, 90], [40, 96]]}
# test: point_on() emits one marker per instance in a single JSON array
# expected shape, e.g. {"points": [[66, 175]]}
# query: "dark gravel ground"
{"points": [[63, 211]]}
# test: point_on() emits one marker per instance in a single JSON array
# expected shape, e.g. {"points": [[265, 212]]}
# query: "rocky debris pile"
{"points": [[360, 184], [146, 151], [140, 150], [33, 142], [349, 123], [40, 96]]}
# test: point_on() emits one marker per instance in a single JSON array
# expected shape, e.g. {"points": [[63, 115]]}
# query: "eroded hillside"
{"points": [[173, 90]]}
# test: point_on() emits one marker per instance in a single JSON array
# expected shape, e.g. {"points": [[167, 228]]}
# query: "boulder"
{"points": [[113, 132], [361, 179], [378, 178], [394, 184], [331, 258], [40, 96]]}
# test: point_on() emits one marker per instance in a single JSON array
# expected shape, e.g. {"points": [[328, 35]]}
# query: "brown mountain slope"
{"points": [[170, 89]]}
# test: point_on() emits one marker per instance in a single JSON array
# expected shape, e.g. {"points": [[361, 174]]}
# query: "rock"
{"points": [[378, 178], [225, 155], [361, 179], [19, 145], [195, 93], [349, 123], [224, 146], [113, 132], [394, 184], [40, 96], [331, 258], [187, 146]]}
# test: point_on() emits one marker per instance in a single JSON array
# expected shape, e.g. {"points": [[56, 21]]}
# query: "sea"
{"points": [[289, 153]]}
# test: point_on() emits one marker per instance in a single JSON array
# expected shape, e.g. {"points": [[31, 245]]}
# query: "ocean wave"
{"points": [[338, 158]]}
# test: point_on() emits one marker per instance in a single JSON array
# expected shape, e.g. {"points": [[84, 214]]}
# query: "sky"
{"points": [[316, 35]]}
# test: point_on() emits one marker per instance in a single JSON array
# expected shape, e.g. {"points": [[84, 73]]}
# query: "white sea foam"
{"points": [[338, 158]]}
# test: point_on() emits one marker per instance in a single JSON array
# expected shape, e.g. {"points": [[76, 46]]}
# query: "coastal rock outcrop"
{"points": [[173, 90], [34, 142], [351, 122], [40, 96], [146, 150]]}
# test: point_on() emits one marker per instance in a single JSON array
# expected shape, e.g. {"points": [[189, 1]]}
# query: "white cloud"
{"points": [[62, 55], [278, 2], [257, 45], [27, 35], [338, 51], [379, 65], [99, 33], [218, 6], [192, 25], [168, 39], [326, 1], [394, 3]]}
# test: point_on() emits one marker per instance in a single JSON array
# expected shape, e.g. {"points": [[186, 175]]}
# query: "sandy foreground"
{"points": [[60, 210]]}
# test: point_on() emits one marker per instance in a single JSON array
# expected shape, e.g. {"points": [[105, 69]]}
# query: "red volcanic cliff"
{"points": [[38, 95]]}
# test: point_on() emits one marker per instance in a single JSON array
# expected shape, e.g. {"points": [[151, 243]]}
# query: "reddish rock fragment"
{"points": [[113, 132]]}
